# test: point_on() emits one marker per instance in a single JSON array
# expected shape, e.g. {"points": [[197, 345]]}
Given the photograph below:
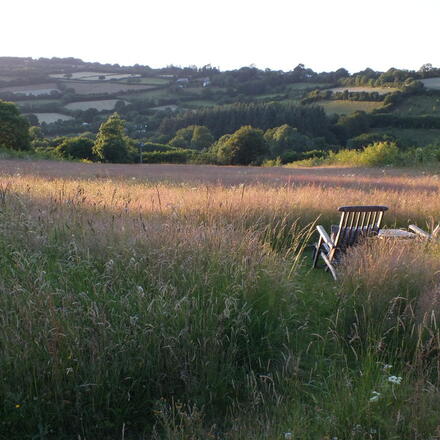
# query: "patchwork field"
{"points": [[177, 302], [200, 103], [419, 105], [343, 107], [94, 76], [305, 85], [165, 107], [90, 88], [48, 118], [105, 104], [35, 90], [379, 90], [411, 137], [431, 83], [155, 81]]}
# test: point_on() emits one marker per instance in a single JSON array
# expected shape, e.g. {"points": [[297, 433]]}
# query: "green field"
{"points": [[178, 302], [344, 107], [48, 118], [200, 103], [105, 104], [418, 105], [305, 86], [154, 81], [356, 89], [37, 102], [100, 87], [412, 137], [432, 83]]}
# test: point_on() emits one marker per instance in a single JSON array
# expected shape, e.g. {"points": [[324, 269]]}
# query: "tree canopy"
{"points": [[193, 136], [247, 145], [111, 143], [14, 128]]}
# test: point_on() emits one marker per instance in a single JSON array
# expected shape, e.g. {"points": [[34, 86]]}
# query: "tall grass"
{"points": [[135, 310]]}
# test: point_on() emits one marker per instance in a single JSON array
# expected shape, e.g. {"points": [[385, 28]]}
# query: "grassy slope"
{"points": [[410, 137], [177, 305], [418, 105], [345, 107]]}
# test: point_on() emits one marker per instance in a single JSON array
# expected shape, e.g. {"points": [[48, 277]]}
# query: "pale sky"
{"points": [[277, 34]]}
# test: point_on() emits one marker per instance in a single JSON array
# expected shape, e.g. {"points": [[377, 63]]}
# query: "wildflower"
{"points": [[18, 405], [387, 367], [396, 380], [140, 290], [288, 435], [376, 396]]}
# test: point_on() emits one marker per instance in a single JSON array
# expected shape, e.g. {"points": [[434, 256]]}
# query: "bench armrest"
{"points": [[419, 231], [327, 240]]}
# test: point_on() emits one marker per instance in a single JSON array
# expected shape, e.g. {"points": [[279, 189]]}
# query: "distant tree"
{"points": [[353, 125], [35, 133], [79, 147], [285, 138], [14, 128], [201, 138], [243, 147], [111, 143], [32, 119], [193, 136]]}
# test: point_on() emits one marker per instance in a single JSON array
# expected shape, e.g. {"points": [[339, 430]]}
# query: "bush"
{"points": [[378, 154], [177, 155]]}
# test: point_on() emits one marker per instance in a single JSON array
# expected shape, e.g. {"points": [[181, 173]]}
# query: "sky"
{"points": [[277, 34]]}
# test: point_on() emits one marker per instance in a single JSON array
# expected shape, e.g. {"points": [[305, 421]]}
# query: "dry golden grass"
{"points": [[229, 194], [131, 292]]}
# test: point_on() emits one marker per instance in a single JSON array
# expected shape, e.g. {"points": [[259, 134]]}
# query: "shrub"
{"points": [[177, 155]]}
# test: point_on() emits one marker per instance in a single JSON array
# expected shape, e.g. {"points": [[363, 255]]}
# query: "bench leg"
{"points": [[316, 252]]}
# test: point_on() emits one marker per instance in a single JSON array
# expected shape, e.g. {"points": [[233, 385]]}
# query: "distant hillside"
{"points": [[67, 96]]}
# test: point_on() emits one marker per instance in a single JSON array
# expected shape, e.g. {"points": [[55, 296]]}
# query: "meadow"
{"points": [[35, 90], [104, 104], [359, 89], [48, 118], [431, 83], [94, 76], [82, 87], [418, 105], [343, 107], [177, 302]]}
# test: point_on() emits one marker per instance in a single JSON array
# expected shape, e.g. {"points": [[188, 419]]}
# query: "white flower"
{"points": [[288, 435], [376, 396], [395, 380], [387, 367], [140, 290]]}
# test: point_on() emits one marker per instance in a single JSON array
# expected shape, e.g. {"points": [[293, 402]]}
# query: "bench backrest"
{"points": [[357, 222]]}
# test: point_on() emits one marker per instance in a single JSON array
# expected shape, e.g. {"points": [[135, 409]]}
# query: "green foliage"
{"points": [[79, 147], [195, 137], [365, 139], [284, 139], [247, 145], [353, 124], [111, 143], [310, 120], [14, 128], [174, 155], [377, 154]]}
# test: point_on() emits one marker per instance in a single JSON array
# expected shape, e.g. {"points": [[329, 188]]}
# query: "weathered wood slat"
{"points": [[356, 222]]}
